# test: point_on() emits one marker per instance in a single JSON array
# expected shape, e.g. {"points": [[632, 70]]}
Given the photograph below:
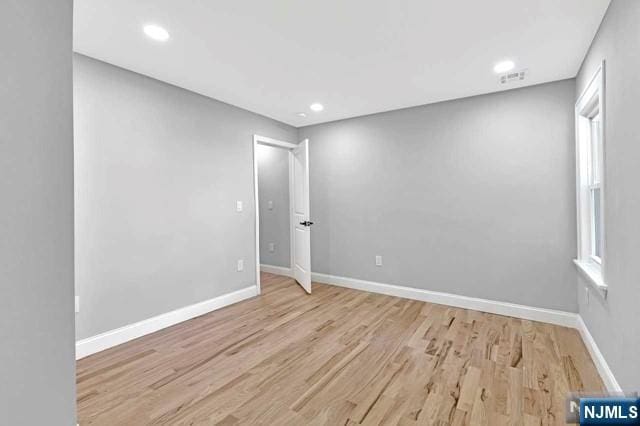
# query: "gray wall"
{"points": [[614, 322], [474, 196], [273, 185], [158, 172], [37, 368]]}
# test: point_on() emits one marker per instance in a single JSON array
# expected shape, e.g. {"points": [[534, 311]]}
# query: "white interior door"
{"points": [[302, 230]]}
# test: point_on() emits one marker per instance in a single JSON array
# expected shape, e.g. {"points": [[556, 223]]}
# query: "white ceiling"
{"points": [[276, 57]]}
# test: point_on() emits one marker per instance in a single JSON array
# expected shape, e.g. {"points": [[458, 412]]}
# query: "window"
{"points": [[590, 191], [595, 188]]}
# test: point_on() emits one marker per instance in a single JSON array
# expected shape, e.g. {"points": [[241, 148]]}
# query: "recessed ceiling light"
{"points": [[316, 107], [301, 114], [156, 32], [504, 66]]}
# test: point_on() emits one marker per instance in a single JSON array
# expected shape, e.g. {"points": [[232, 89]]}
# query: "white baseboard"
{"points": [[100, 342], [278, 270], [598, 359], [566, 319]]}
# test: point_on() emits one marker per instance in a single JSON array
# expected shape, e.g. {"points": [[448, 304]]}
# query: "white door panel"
{"points": [[302, 231]]}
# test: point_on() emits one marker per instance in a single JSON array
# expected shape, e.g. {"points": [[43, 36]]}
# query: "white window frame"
{"points": [[589, 177]]}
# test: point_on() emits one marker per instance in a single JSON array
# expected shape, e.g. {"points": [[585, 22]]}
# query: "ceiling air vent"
{"points": [[512, 77]]}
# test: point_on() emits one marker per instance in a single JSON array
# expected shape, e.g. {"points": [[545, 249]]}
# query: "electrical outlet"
{"points": [[378, 260], [238, 206], [240, 265], [272, 247], [270, 205], [77, 303]]}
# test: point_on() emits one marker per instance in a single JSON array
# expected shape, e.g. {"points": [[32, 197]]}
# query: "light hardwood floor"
{"points": [[337, 357]]}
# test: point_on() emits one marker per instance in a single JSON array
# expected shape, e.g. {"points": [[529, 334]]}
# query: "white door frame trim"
{"points": [[263, 140]]}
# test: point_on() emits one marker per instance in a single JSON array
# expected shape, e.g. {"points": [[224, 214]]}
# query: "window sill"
{"points": [[593, 273]]}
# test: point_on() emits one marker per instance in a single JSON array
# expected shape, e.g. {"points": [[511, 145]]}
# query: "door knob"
{"points": [[306, 223]]}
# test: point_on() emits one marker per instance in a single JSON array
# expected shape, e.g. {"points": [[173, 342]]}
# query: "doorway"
{"points": [[285, 177]]}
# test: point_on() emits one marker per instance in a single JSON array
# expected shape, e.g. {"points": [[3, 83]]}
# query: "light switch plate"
{"points": [[238, 206], [378, 260], [272, 247], [587, 294], [270, 205], [240, 265]]}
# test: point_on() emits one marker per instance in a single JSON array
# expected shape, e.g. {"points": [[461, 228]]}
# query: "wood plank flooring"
{"points": [[337, 357]]}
